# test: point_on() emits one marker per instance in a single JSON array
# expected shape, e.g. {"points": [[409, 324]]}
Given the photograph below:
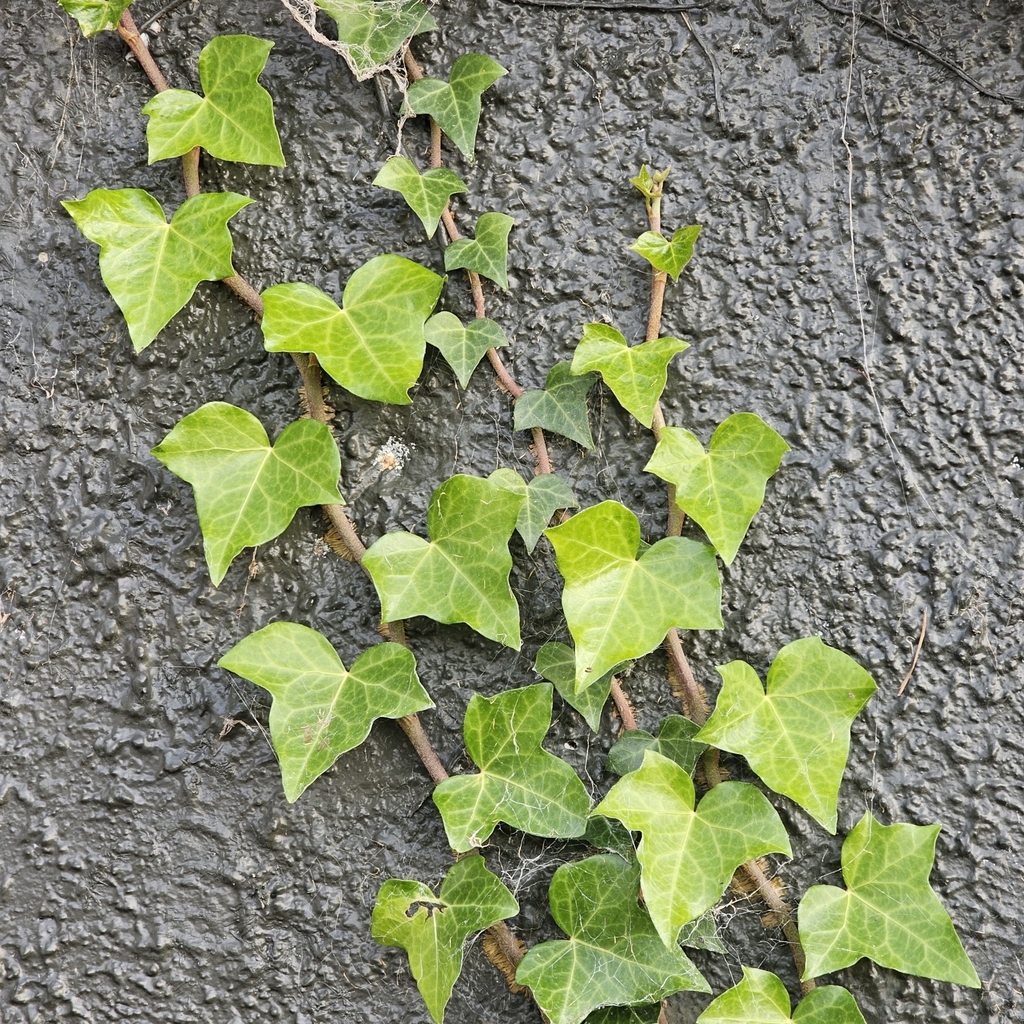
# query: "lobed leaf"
{"points": [[463, 346], [561, 407], [320, 709], [668, 256], [247, 491], [487, 253], [233, 120], [427, 194], [557, 664], [675, 741], [543, 495], [373, 32], [519, 782], [150, 267], [95, 15]]}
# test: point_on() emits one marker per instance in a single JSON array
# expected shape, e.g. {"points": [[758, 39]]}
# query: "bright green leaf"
{"points": [[427, 194], [487, 253], [557, 664], [723, 488], [644, 182], [888, 912], [544, 494], [95, 15], [374, 346], [561, 407], [668, 256], [373, 32], [463, 345], [461, 574], [797, 735], [687, 856], [620, 607], [234, 120], [246, 490], [455, 104], [320, 710], [150, 267], [519, 782], [433, 929], [761, 998], [675, 741], [636, 375], [613, 956]]}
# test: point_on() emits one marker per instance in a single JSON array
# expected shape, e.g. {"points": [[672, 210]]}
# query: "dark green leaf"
{"points": [[668, 256], [95, 15], [463, 346], [557, 664], [544, 494], [649, 1014], [607, 834], [487, 253], [675, 741], [561, 407], [427, 194], [702, 934]]}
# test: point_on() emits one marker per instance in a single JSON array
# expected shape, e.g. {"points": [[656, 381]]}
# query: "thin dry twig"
{"points": [[917, 654]]}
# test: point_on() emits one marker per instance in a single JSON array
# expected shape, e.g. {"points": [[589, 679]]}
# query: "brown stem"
{"points": [[693, 699], [129, 32], [623, 706], [413, 728]]}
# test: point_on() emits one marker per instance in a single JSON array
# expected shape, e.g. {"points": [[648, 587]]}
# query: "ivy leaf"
{"points": [[723, 488], [649, 1014], [668, 256], [374, 346], [675, 741], [561, 407], [320, 710], [620, 607], [373, 33], [463, 346], [761, 998], [487, 253], [543, 495], [234, 120], [613, 956], [247, 491], [644, 182], [461, 573], [557, 664], [636, 375], [455, 104], [702, 934], [888, 912], [95, 15], [687, 856], [606, 834], [519, 782], [427, 194], [797, 735], [150, 267], [433, 929]]}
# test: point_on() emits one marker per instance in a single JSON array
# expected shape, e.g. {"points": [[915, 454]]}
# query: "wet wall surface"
{"points": [[151, 867]]}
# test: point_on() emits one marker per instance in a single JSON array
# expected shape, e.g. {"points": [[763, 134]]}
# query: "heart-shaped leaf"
{"points": [[320, 710], [723, 488], [463, 345], [150, 267], [668, 256], [372, 31], [455, 104], [487, 253], [543, 495], [619, 607], [561, 407], [636, 375], [675, 741], [461, 574], [233, 120], [761, 998], [797, 735], [613, 956], [246, 490], [557, 664], [374, 346], [95, 15], [687, 856], [888, 912], [427, 194], [433, 929], [519, 782]]}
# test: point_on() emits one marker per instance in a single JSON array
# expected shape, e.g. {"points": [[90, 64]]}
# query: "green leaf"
{"points": [[543, 495], [649, 1014], [761, 998], [723, 488], [888, 912], [427, 194], [320, 710], [606, 834], [150, 267], [644, 182], [687, 856], [519, 782], [246, 490], [234, 120], [372, 33], [797, 735], [613, 956], [702, 934], [675, 741], [463, 346], [487, 253], [668, 256], [95, 15], [561, 407], [461, 574], [374, 346], [620, 607], [455, 104], [557, 664], [636, 375], [433, 929]]}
